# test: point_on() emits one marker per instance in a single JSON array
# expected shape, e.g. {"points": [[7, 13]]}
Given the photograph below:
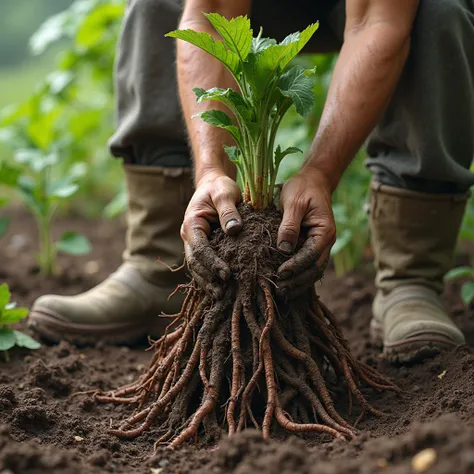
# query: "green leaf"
{"points": [[9, 175], [279, 155], [4, 222], [236, 33], [73, 244], [12, 316], [7, 339], [222, 120], [467, 292], [23, 340], [63, 188], [459, 272], [233, 153], [228, 97], [117, 206], [262, 68], [5, 296], [260, 44], [207, 43], [298, 87]]}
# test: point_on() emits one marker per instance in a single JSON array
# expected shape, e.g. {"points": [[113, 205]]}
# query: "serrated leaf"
{"points": [[228, 97], [7, 339], [12, 316], [222, 120], [73, 244], [236, 33], [207, 43], [23, 340], [260, 44], [260, 69], [298, 87], [5, 296], [459, 272], [467, 292], [279, 154]]}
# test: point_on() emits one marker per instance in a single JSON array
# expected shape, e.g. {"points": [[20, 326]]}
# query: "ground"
{"points": [[44, 428]]}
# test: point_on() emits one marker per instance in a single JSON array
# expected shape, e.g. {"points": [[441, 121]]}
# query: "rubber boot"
{"points": [[125, 307], [413, 237]]}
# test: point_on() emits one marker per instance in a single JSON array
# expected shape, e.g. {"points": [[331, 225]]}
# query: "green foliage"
{"points": [[53, 135], [10, 314], [467, 288], [268, 87]]}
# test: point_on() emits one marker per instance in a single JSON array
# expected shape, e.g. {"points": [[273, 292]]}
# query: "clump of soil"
{"points": [[239, 356]]}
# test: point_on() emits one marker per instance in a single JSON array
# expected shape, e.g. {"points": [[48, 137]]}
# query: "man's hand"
{"points": [[306, 203], [214, 201]]}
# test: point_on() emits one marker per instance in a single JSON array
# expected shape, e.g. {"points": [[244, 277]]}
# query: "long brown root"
{"points": [[247, 359]]}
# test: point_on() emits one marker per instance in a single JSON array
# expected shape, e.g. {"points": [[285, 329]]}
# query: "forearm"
{"points": [[197, 69], [365, 76]]}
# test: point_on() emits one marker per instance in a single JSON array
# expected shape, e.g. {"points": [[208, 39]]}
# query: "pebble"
{"points": [[92, 267], [78, 438], [422, 461]]}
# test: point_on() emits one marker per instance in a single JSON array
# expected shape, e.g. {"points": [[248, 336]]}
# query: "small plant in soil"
{"points": [[245, 357], [33, 178], [10, 314], [467, 274]]}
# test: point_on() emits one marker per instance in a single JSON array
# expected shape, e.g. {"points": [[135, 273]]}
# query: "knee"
{"points": [[440, 19]]}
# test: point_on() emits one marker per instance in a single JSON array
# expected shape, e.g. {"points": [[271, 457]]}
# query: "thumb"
{"points": [[289, 230], [229, 216]]}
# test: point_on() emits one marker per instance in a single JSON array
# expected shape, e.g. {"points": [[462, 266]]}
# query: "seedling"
{"points": [[33, 178], [467, 289], [10, 314]]}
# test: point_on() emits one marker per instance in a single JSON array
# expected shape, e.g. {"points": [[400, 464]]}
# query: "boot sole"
{"points": [[417, 348], [52, 328]]}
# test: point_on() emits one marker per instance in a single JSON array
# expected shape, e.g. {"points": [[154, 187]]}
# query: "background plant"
{"points": [[9, 315]]}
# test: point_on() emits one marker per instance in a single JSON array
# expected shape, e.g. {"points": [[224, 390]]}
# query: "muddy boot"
{"points": [[413, 237], [125, 307]]}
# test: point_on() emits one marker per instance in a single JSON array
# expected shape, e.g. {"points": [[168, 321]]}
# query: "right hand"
{"points": [[214, 201]]}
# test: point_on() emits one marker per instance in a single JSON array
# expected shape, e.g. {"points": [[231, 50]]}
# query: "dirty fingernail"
{"points": [[222, 275], [285, 275], [285, 247], [231, 224]]}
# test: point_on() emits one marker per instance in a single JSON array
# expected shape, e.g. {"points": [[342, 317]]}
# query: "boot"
{"points": [[125, 307], [413, 237]]}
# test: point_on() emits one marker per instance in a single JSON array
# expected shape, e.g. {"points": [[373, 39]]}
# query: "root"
{"points": [[276, 348], [244, 359]]}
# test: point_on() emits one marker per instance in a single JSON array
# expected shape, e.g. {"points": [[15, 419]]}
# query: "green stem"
{"points": [[47, 257]]}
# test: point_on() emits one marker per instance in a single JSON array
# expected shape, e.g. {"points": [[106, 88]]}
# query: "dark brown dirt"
{"points": [[43, 429]]}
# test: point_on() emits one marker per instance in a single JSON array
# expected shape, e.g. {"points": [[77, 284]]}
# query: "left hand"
{"points": [[306, 203]]}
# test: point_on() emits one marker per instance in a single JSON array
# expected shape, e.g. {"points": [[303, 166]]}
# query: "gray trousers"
{"points": [[424, 141]]}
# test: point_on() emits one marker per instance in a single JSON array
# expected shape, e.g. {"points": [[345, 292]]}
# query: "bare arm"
{"points": [[376, 45], [196, 68], [217, 193]]}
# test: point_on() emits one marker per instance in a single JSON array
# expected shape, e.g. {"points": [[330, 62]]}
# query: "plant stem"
{"points": [[47, 256]]}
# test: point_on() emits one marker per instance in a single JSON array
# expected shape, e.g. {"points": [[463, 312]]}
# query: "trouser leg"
{"points": [[150, 129], [425, 141]]}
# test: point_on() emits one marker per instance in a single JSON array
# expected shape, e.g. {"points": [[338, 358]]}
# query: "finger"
{"points": [[197, 248], [289, 230], [229, 217], [306, 279], [210, 287], [306, 257]]}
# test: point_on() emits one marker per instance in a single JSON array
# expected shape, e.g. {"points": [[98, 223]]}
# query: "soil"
{"points": [[44, 428]]}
